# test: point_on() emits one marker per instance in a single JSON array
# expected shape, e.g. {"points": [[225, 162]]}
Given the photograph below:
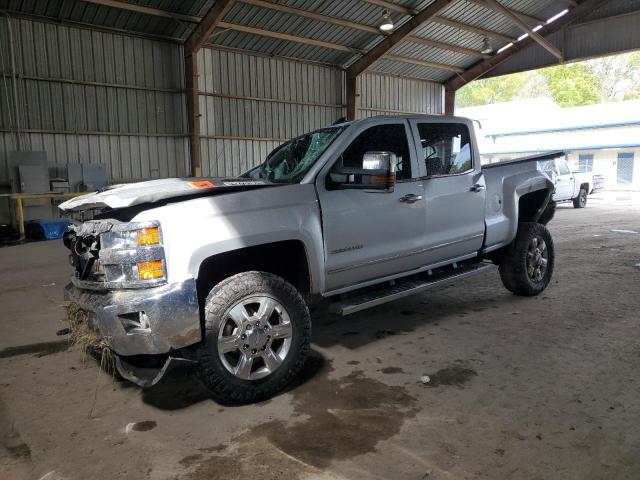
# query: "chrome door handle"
{"points": [[477, 187], [411, 198]]}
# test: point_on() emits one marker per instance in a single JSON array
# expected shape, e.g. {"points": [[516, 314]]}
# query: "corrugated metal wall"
{"points": [[389, 95], [90, 96], [250, 103]]}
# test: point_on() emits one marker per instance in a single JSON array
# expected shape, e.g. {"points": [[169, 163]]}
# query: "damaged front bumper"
{"points": [[147, 321]]}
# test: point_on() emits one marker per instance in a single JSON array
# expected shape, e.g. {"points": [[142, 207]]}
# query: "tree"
{"points": [[620, 76], [501, 89], [573, 85], [602, 80]]}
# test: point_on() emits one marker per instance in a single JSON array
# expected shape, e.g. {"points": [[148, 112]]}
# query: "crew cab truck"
{"points": [[571, 186], [217, 273]]}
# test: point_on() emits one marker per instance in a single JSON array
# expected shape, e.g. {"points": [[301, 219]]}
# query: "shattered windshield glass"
{"points": [[292, 160]]}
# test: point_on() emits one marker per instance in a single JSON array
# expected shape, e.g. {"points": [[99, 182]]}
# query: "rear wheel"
{"points": [[581, 200], [257, 334], [527, 266]]}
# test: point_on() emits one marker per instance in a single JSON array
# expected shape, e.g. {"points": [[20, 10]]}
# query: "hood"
{"points": [[130, 194]]}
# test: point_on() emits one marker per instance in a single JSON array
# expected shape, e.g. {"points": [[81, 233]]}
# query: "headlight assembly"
{"points": [[132, 255]]}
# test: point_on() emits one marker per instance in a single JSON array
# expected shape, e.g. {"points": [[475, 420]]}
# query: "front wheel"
{"points": [[527, 265], [257, 335], [581, 200]]}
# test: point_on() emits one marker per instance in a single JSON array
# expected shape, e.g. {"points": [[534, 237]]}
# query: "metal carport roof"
{"points": [[330, 32]]}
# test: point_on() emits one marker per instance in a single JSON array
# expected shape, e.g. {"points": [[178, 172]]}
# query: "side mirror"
{"points": [[378, 172]]}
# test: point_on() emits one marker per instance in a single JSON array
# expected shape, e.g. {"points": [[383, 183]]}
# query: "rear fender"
{"points": [[504, 193]]}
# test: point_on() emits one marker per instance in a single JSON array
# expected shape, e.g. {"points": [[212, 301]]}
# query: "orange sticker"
{"points": [[202, 184]]}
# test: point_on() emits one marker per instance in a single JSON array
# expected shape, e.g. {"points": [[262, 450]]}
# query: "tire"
{"points": [[239, 361], [581, 200], [519, 266]]}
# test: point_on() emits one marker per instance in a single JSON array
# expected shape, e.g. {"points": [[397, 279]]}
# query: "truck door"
{"points": [[564, 181], [454, 189], [369, 235]]}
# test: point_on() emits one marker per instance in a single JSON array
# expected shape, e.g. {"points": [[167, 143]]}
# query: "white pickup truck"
{"points": [[570, 185]]}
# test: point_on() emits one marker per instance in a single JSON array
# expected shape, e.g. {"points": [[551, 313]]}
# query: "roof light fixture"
{"points": [[486, 46], [386, 25]]}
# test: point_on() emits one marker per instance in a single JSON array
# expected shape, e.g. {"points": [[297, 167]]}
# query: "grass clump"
{"points": [[88, 340]]}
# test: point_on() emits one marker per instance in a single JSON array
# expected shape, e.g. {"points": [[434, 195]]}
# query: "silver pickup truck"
{"points": [[217, 273]]}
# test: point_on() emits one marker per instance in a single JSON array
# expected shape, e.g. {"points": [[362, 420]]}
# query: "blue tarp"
{"points": [[45, 229]]}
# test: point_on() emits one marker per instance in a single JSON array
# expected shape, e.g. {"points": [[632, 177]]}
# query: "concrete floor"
{"points": [[542, 388]]}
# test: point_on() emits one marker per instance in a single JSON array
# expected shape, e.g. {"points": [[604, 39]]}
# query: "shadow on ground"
{"points": [[181, 389], [363, 328]]}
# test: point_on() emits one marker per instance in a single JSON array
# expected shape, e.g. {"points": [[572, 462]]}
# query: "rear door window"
{"points": [[445, 148]]}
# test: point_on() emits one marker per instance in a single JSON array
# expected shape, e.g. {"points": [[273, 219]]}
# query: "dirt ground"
{"points": [[541, 388]]}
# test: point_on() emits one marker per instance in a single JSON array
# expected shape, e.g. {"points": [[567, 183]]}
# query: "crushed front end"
{"points": [[121, 281]]}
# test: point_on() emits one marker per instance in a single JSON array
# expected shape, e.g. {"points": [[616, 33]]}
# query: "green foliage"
{"points": [[595, 81], [573, 85]]}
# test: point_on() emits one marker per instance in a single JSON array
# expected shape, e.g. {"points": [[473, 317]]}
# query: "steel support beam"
{"points": [[521, 15], [131, 7], [470, 28], [193, 113], [476, 71], [291, 38], [207, 25], [312, 15], [446, 46], [449, 102], [353, 97], [422, 63], [199, 35], [515, 18]]}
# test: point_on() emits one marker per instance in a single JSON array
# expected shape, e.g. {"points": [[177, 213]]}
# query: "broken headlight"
{"points": [[132, 255]]}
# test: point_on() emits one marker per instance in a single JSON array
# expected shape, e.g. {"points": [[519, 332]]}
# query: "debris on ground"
{"points": [[63, 331], [454, 375], [88, 340], [144, 426]]}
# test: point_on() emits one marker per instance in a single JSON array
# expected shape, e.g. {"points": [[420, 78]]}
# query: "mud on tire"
{"points": [[217, 369], [527, 266]]}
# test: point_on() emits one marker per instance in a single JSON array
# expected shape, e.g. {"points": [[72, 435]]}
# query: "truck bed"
{"points": [[537, 157], [505, 182]]}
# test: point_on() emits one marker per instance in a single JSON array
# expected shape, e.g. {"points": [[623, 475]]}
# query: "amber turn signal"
{"points": [[149, 236], [150, 270]]}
